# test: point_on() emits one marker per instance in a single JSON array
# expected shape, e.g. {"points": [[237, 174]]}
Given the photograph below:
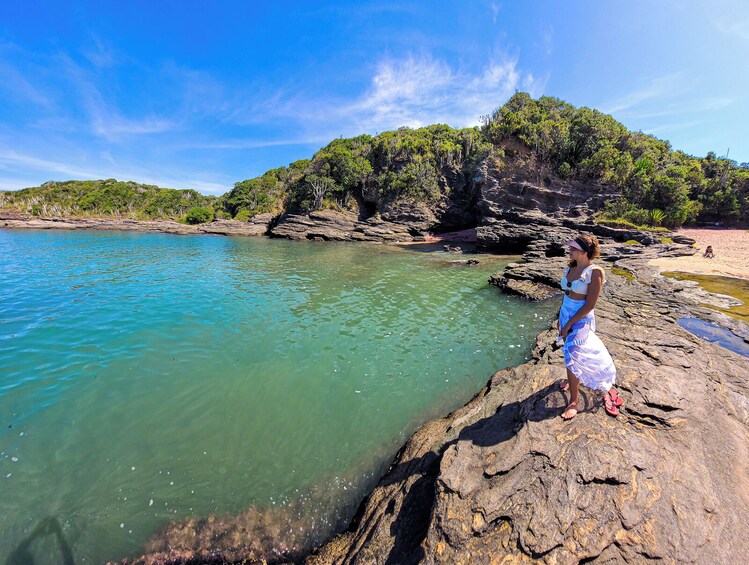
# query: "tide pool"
{"points": [[147, 378]]}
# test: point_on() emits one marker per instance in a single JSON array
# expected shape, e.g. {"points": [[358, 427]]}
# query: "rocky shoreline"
{"points": [[256, 227], [504, 478]]}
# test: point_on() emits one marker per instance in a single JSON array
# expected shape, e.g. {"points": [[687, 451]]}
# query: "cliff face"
{"points": [[503, 195], [505, 477]]}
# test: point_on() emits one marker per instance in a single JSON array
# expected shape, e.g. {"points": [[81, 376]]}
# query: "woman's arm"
{"points": [[594, 291]]}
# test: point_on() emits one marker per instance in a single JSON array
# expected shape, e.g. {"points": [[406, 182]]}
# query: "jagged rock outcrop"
{"points": [[505, 479], [509, 200], [257, 225], [520, 182], [329, 225]]}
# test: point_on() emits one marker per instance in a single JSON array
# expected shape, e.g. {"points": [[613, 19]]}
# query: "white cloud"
{"points": [[412, 92], [417, 92], [495, 11], [738, 28], [656, 89]]}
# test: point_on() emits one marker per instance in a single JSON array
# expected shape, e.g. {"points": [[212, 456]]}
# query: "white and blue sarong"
{"points": [[584, 353]]}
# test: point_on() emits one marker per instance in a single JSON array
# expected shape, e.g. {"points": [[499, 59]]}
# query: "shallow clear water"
{"points": [[146, 378], [715, 334], [731, 286]]}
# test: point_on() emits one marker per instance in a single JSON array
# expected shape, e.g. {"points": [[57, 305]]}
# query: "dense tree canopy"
{"points": [[356, 172]]}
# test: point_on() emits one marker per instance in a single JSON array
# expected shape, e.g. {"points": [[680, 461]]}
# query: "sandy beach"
{"points": [[731, 248]]}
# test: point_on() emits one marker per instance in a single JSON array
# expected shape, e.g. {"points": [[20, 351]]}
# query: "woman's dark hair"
{"points": [[590, 246]]}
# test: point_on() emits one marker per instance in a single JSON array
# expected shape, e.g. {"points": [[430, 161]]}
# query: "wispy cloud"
{"points": [[693, 106], [105, 119], [495, 11], [547, 35], [99, 54], [18, 165], [737, 28], [18, 86], [662, 97], [254, 144], [13, 160], [668, 128], [412, 91], [656, 89]]}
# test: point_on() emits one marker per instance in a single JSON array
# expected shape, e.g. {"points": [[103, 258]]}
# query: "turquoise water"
{"points": [[146, 378]]}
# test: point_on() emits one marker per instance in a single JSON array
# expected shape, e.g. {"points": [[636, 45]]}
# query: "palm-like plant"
{"points": [[656, 217]]}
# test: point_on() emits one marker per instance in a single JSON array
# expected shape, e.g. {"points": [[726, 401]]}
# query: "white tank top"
{"points": [[580, 285]]}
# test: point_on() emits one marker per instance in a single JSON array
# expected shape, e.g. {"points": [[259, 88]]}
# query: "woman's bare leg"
{"points": [[571, 411]]}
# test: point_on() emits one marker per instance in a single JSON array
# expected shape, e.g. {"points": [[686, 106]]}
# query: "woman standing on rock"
{"points": [[587, 360]]}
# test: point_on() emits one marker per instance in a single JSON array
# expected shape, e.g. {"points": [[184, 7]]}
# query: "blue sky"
{"points": [[204, 94]]}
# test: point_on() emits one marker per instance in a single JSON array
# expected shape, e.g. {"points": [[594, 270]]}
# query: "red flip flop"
{"points": [[610, 405], [618, 400]]}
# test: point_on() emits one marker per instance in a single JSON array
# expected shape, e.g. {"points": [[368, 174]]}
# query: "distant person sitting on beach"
{"points": [[709, 252]]}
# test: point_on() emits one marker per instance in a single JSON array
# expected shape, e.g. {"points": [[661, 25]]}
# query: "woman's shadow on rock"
{"points": [[411, 525], [22, 554], [545, 404]]}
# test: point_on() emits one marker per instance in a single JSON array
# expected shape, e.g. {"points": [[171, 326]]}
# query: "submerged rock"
{"points": [[254, 536]]}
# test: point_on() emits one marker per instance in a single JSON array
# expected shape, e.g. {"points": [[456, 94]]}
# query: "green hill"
{"points": [[105, 198]]}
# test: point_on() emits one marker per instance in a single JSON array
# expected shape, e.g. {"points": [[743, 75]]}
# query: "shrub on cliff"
{"points": [[199, 215], [259, 195]]}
